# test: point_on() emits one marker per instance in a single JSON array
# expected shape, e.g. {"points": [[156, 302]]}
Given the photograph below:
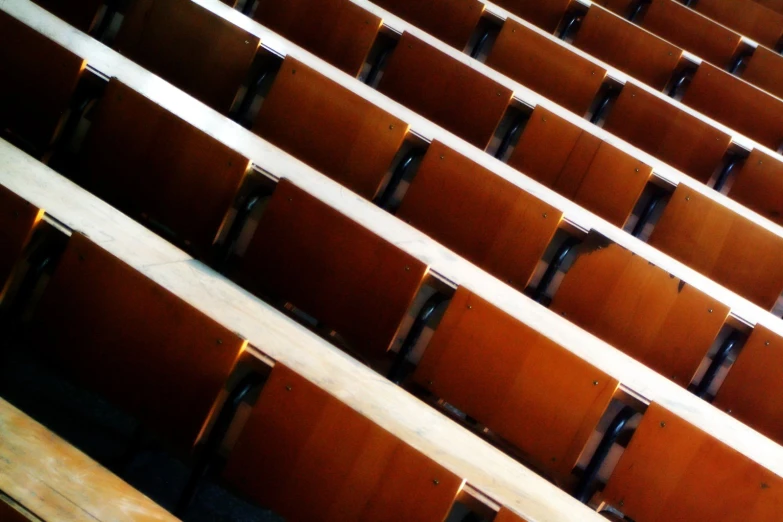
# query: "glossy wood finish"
{"points": [[480, 216], [55, 481], [546, 67], [674, 471], [452, 21], [627, 47], [82, 14], [765, 71], [518, 383], [545, 14], [759, 186], [155, 167], [732, 250], [332, 129], [505, 515], [120, 334], [190, 47], [354, 282], [336, 31], [736, 104], [38, 80], [746, 17], [683, 141], [579, 166], [775, 5], [17, 221], [445, 91], [309, 457], [640, 309]]}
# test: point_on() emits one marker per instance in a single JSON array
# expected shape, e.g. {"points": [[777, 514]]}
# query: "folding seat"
{"points": [[506, 515], [736, 104], [157, 168], [310, 457], [190, 47], [18, 219], [530, 391], [332, 268], [730, 249], [580, 166], [39, 79], [546, 67], [330, 128], [765, 71], [118, 333], [545, 14], [479, 215], [775, 5], [82, 14], [337, 31], [759, 185], [672, 470], [640, 309], [670, 134], [628, 47], [746, 17], [444, 90], [447, 20]]}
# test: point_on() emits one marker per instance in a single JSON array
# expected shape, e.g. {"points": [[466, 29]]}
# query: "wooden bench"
{"points": [[310, 457], [746, 17], [640, 309], [336, 31], [579, 166], [159, 169], [18, 219], [445, 91], [730, 249], [480, 216], [765, 71], [519, 384], [545, 14], [188, 46], [759, 186], [683, 141], [82, 14], [330, 128], [546, 67]]}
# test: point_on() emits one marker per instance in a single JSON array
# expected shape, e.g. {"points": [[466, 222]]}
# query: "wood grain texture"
{"points": [[53, 480], [82, 14], [17, 221], [683, 141], [157, 168], [618, 7], [759, 186], [116, 332], [310, 457], [38, 79], [580, 166], [640, 309], [452, 21], [330, 128], [674, 471], [308, 254], [746, 17], [483, 218], [545, 14], [337, 31], [765, 71], [185, 44], [445, 90], [627, 47], [546, 67], [516, 382], [724, 246]]}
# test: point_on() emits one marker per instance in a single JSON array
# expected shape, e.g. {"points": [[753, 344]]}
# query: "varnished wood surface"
{"points": [[545, 14], [759, 186], [746, 17], [81, 14], [445, 90], [765, 71], [504, 515], [53, 480], [775, 5], [17, 220], [330, 128]]}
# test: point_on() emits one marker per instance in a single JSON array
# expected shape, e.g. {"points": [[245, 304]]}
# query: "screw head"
{"points": [[391, 127], [470, 307], [289, 387], [293, 71], [407, 268], [543, 215], [436, 481], [766, 343], [687, 198], [442, 156], [595, 383], [636, 170], [663, 424], [220, 341]]}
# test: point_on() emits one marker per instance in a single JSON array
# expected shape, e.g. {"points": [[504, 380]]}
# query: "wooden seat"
{"points": [[580, 166], [674, 471], [728, 248], [618, 7], [18, 218], [545, 14], [640, 309], [39, 78], [627, 47], [736, 104], [187, 45], [306, 253], [82, 14], [118, 333], [691, 31], [337, 31], [331, 128], [546, 67], [155, 167], [309, 457], [445, 90], [515, 381], [448, 20], [759, 186], [775, 5], [765, 71], [746, 17], [508, 229], [506, 515], [672, 135]]}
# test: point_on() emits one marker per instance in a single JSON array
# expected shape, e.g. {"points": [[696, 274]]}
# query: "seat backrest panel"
{"points": [[545, 14], [506, 515], [452, 21], [765, 71], [746, 17], [759, 186], [17, 221]]}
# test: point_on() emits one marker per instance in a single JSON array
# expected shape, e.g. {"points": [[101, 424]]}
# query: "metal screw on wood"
{"points": [[663, 424], [436, 481], [766, 343], [289, 388], [220, 341], [595, 383]]}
